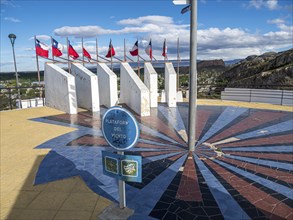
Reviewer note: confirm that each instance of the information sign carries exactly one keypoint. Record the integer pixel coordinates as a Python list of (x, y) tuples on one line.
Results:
[(120, 128), (123, 167)]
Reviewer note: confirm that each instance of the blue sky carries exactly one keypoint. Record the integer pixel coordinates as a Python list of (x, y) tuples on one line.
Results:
[(227, 29)]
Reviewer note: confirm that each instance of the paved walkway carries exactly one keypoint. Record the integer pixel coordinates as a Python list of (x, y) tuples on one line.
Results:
[(242, 167)]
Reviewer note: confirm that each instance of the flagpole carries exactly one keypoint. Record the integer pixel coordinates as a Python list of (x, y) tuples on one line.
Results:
[(178, 62), (68, 55), (151, 49), (82, 51), (138, 67), (97, 52), (165, 50), (124, 51), (38, 68), (52, 49), (111, 54)]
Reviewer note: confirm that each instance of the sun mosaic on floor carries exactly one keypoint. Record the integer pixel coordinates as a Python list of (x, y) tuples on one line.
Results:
[(241, 167)]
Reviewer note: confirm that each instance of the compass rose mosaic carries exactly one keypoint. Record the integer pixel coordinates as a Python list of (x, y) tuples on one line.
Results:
[(241, 167)]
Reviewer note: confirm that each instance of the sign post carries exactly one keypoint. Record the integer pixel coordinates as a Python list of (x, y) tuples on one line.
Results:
[(122, 197), (121, 131)]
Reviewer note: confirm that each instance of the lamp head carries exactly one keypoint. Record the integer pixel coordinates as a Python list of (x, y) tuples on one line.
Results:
[(12, 38)]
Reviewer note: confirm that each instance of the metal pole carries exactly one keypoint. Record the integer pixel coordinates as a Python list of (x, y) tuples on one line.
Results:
[(16, 76), (192, 77), (122, 197), (178, 62), (38, 68), (82, 51)]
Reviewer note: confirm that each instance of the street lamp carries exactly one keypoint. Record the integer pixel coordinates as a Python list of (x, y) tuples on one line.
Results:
[(12, 38)]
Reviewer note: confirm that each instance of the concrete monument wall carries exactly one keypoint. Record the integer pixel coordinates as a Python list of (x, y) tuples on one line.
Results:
[(60, 89), (107, 85), (151, 82), (170, 85), (133, 92), (86, 84)]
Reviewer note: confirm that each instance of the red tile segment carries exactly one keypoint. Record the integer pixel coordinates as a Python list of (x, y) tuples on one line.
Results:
[(173, 158), (271, 140), (252, 121), (202, 118), (270, 206), (188, 188), (277, 174), (159, 125), (272, 156)]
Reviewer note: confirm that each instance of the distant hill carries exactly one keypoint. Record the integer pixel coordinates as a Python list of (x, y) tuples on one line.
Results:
[(267, 69)]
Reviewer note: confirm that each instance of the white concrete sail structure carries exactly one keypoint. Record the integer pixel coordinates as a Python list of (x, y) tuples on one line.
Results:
[(60, 89), (133, 92), (86, 84), (108, 89), (170, 84), (151, 82)]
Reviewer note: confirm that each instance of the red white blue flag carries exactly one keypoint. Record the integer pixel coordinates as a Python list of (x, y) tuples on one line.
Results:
[(164, 54), (71, 52), (111, 51), (134, 50), (149, 49), (86, 54), (41, 49), (56, 48)]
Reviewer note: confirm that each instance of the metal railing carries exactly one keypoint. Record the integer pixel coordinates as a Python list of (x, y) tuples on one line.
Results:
[(9, 98)]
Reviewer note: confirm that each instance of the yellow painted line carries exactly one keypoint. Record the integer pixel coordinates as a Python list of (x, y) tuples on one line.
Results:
[(254, 105)]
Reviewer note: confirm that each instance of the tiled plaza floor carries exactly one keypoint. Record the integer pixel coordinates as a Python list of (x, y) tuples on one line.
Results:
[(241, 168)]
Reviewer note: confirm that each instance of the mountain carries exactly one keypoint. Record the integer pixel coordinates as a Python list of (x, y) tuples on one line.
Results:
[(270, 69)]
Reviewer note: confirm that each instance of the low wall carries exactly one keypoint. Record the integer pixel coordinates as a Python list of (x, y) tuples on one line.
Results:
[(133, 92), (60, 89), (170, 85), (151, 82), (107, 85), (86, 84), (278, 97)]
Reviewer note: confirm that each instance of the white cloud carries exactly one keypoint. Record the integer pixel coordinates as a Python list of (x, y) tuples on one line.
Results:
[(270, 4), (12, 19), (162, 20), (41, 37), (226, 43)]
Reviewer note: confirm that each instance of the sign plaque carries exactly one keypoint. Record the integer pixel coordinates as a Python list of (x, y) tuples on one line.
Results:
[(120, 128)]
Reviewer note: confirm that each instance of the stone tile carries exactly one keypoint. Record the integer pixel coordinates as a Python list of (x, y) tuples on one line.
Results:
[(10, 213), (37, 214), (18, 199), (80, 201), (65, 185), (102, 203), (49, 201), (73, 215)]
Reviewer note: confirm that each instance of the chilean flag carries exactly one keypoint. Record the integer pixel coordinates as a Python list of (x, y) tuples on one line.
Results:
[(134, 50), (56, 48), (164, 54), (149, 49), (41, 49), (72, 52), (111, 51), (86, 54)]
